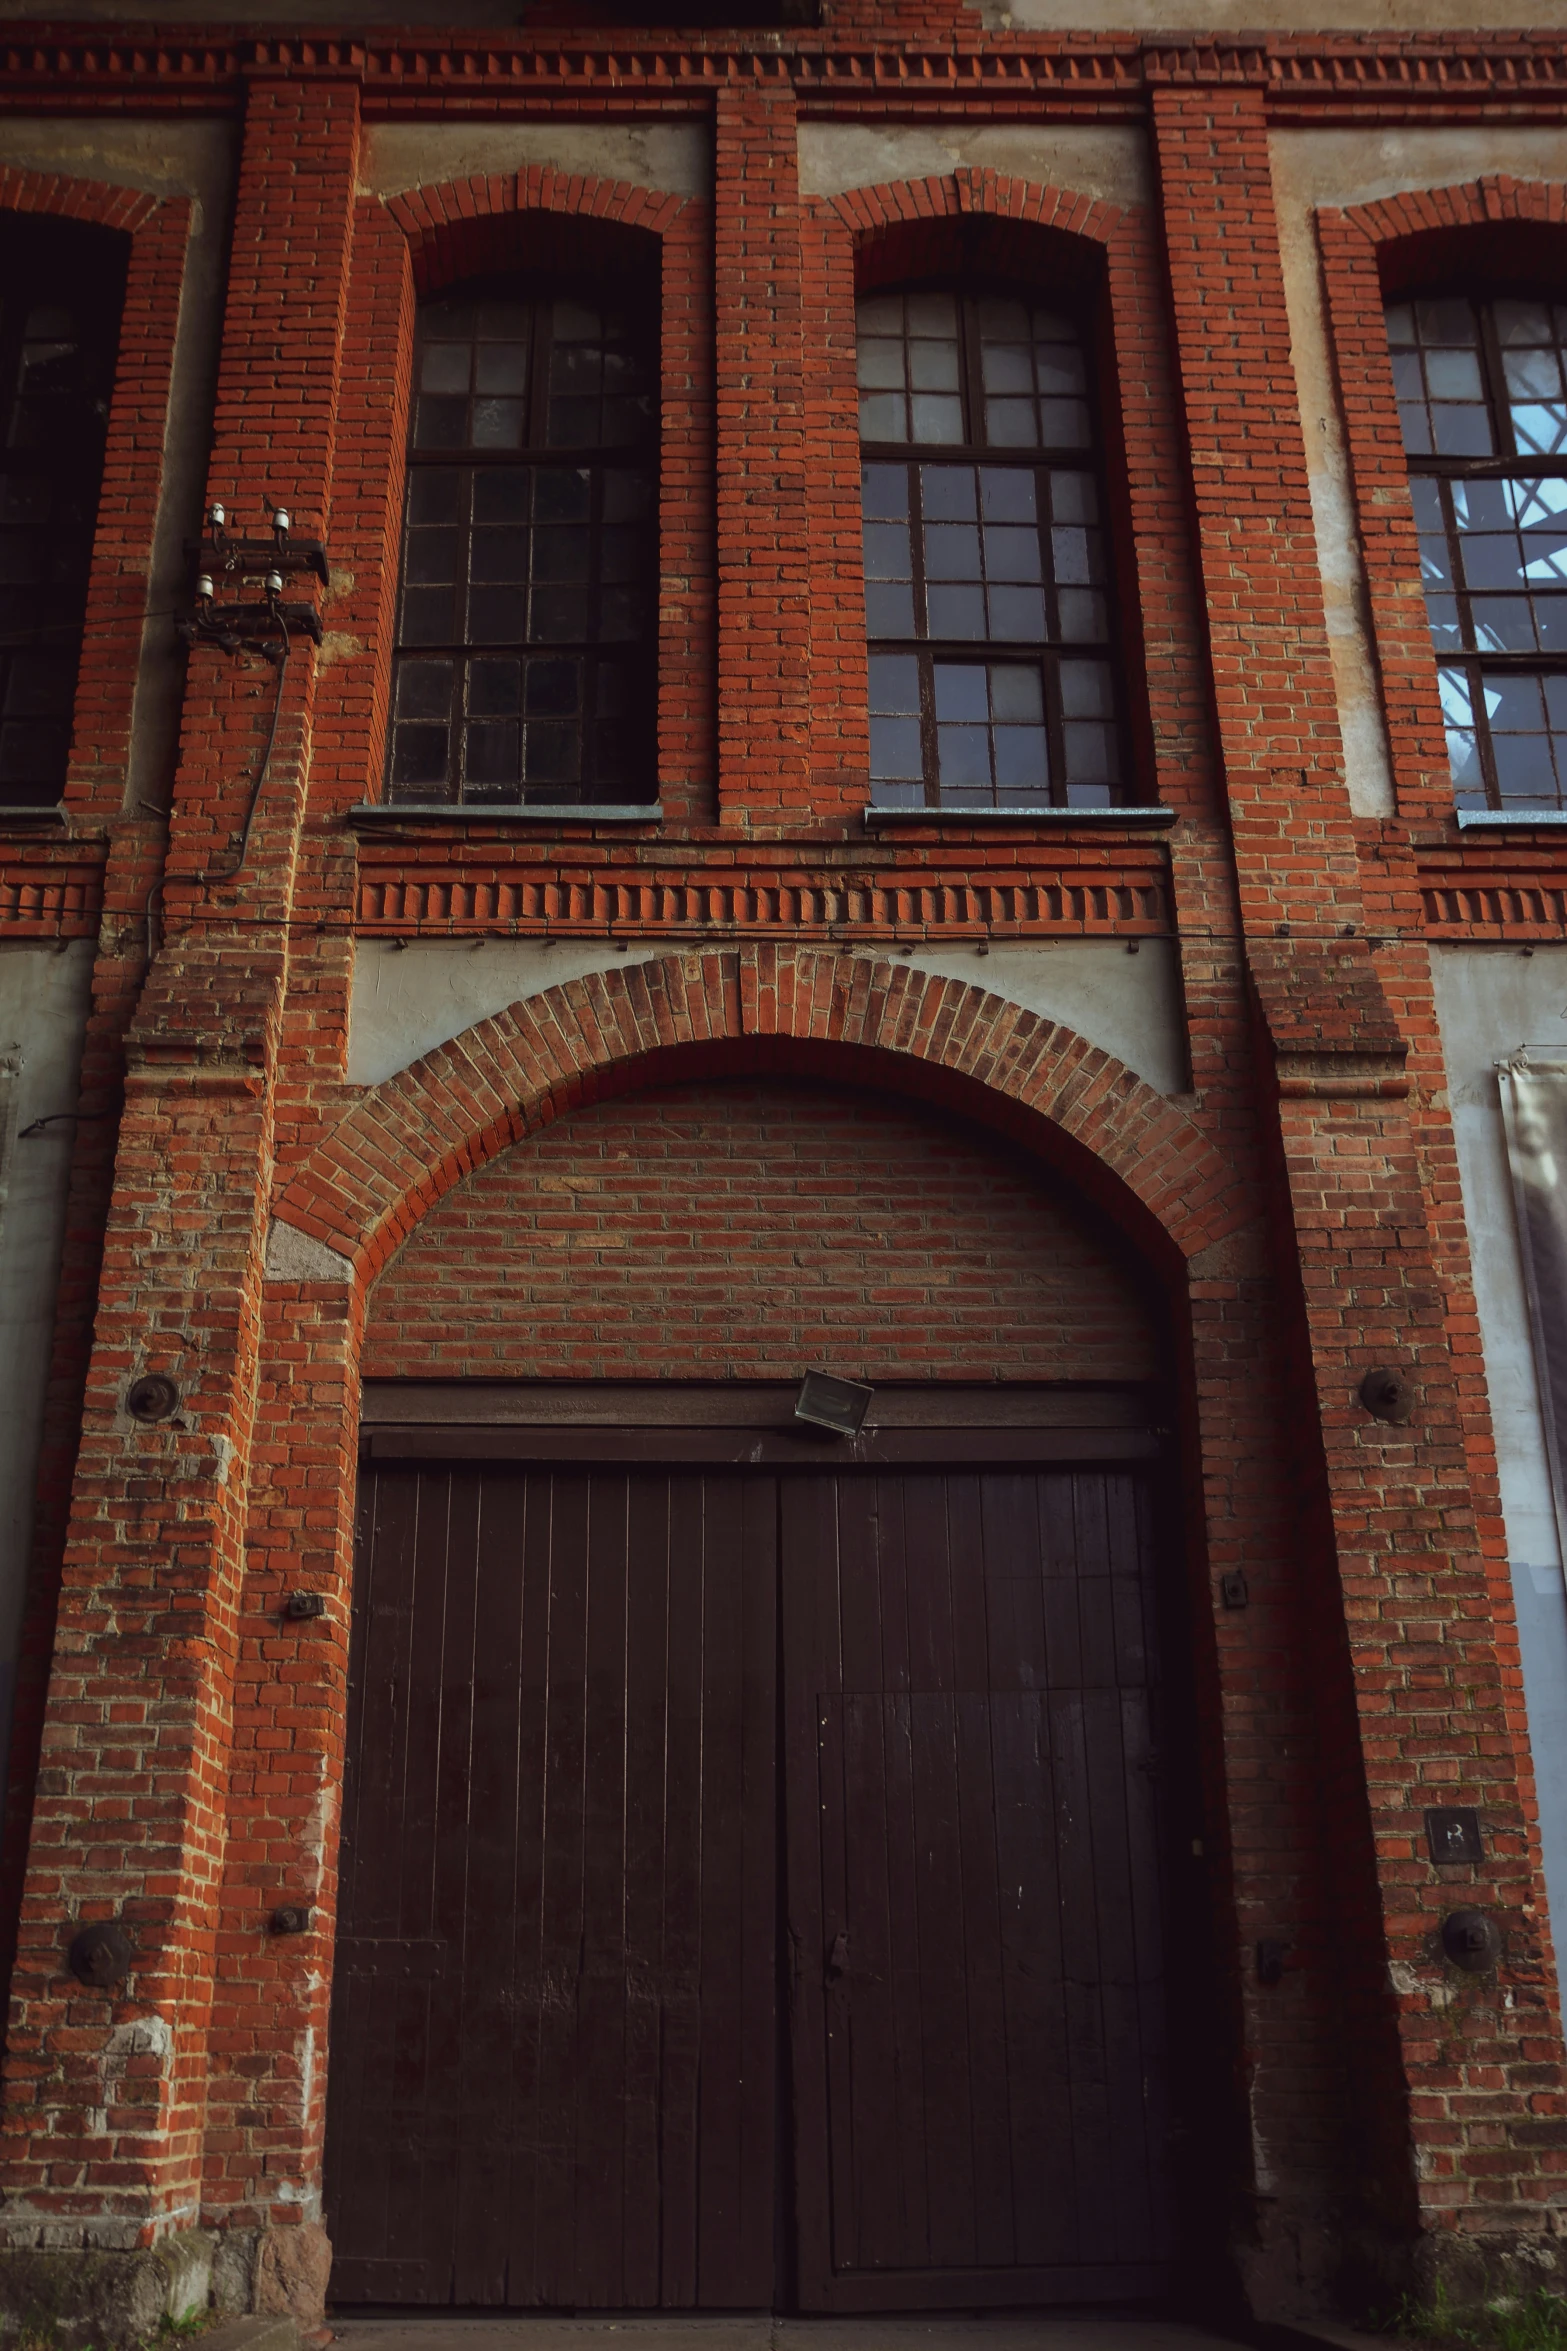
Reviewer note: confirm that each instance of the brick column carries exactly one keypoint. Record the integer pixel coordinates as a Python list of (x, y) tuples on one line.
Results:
[(764, 686), (105, 2090), (1459, 2076)]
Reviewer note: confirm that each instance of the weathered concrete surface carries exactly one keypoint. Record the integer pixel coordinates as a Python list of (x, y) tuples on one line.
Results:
[(674, 157), (1090, 158), (82, 2299), (999, 2333)]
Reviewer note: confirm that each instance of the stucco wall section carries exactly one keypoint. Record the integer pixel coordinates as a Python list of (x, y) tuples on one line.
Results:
[(1489, 1001), (408, 1000), (43, 1015), (673, 157), (1111, 164)]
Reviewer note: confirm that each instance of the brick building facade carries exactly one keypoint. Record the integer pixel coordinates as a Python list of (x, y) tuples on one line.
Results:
[(1155, 1097)]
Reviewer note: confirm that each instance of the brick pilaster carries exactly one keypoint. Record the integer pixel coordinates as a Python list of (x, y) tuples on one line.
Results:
[(764, 689), (106, 2092), (1460, 2090)]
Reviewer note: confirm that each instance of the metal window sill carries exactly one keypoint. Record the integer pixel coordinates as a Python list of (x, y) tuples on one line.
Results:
[(372, 814), (1513, 820), (876, 817), (32, 820)]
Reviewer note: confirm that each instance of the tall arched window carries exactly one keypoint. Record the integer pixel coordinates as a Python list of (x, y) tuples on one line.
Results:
[(987, 589), (1483, 402), (61, 292), (525, 631)]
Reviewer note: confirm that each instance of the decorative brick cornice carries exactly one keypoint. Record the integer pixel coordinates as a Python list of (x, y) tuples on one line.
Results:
[(47, 898), (559, 897), (1308, 78), (1502, 890), (1415, 75)]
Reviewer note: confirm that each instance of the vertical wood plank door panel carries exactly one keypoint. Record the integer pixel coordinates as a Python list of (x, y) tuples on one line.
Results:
[(971, 1705), (554, 2037)]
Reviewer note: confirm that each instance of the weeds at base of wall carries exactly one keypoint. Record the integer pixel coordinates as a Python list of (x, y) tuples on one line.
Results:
[(40, 2336), (1532, 2322)]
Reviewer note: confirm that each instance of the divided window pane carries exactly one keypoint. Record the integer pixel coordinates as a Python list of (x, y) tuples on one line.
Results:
[(1001, 550), (60, 297), (529, 579), (1482, 389)]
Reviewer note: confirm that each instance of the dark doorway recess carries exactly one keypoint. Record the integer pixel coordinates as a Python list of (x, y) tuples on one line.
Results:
[(755, 1882)]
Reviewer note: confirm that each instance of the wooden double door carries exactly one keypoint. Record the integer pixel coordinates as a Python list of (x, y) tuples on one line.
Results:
[(751, 1890)]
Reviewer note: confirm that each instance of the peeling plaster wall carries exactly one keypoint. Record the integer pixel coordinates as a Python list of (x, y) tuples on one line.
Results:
[(44, 992), (1111, 164), (1489, 1001), (673, 157), (408, 1000)]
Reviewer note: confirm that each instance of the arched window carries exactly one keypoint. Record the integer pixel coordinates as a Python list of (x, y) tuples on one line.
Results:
[(1483, 403), (987, 589), (525, 630), (61, 292)]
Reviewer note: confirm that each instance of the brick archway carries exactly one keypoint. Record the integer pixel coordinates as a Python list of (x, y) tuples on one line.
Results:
[(762, 1007)]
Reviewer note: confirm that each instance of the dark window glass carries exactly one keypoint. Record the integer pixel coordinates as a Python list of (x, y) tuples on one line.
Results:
[(529, 582), (61, 292), (1482, 397), (987, 594)]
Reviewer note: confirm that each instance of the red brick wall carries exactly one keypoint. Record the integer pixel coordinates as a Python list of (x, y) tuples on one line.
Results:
[(748, 1230), (1302, 1194)]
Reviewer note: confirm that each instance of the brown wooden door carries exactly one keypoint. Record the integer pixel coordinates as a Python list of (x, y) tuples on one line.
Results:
[(556, 2037), (974, 1889), (554, 2024)]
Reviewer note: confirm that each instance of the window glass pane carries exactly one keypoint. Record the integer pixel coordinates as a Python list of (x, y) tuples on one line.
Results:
[(1463, 745), (991, 743), (510, 553), (1435, 348), (1001, 557), (909, 368)]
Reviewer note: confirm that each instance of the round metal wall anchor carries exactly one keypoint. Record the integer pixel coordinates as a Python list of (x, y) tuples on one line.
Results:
[(1470, 1940), (290, 1918), (152, 1398), (101, 1956), (1387, 1395)]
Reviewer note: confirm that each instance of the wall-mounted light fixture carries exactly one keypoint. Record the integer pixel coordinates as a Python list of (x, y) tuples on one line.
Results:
[(827, 1402)]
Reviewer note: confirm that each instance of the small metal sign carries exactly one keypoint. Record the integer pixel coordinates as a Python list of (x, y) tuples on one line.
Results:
[(830, 1403), (1454, 1835)]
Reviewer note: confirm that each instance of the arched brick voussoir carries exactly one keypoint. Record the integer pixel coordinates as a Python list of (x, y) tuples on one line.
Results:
[(465, 228), (974, 191), (1466, 204), (94, 203), (370, 1180)]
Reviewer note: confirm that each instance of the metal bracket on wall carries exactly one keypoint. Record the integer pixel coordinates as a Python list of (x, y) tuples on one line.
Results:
[(227, 564)]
